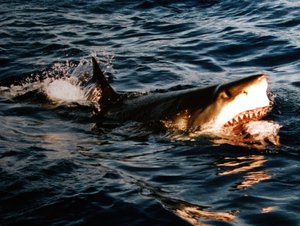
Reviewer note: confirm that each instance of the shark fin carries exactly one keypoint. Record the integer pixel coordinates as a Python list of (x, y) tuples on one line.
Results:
[(108, 93)]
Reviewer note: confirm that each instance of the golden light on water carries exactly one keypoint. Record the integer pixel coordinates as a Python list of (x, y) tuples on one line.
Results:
[(245, 164), (252, 178), (193, 214), (267, 209), (241, 164)]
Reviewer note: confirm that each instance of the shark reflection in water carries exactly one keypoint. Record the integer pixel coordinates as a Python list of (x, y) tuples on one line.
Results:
[(193, 213), (250, 165)]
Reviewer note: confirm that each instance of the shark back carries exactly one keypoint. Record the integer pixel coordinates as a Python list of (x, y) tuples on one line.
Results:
[(174, 106)]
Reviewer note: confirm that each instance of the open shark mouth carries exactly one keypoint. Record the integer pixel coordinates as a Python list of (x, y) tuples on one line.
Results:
[(249, 129), (247, 116)]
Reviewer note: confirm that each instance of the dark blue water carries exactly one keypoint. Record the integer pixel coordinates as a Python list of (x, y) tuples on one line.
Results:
[(57, 169)]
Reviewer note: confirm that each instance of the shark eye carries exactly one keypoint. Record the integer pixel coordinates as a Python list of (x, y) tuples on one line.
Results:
[(225, 94), (228, 94)]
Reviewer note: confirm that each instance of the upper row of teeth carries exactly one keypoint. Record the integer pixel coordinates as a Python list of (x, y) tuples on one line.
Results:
[(242, 117), (245, 116)]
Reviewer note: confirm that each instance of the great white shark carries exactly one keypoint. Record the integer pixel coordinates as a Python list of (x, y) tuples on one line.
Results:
[(224, 108)]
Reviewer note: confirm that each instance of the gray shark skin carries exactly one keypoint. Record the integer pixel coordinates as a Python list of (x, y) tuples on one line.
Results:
[(216, 107)]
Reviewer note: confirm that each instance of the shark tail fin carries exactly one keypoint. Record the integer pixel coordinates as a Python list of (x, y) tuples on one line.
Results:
[(108, 93)]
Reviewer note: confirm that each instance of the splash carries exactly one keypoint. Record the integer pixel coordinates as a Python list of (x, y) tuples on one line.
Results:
[(264, 131), (253, 134), (38, 83), (62, 83), (64, 90)]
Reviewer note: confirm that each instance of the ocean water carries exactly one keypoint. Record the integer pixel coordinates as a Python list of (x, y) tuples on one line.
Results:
[(56, 168)]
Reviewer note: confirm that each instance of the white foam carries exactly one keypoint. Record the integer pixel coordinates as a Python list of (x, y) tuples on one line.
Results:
[(63, 90), (264, 131)]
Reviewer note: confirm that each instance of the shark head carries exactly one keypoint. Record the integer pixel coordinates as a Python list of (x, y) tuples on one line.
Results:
[(232, 105)]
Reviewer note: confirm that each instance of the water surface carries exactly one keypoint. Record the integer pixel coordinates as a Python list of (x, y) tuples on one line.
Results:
[(57, 169)]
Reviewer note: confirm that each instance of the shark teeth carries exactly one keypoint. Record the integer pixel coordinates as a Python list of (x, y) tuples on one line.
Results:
[(247, 116)]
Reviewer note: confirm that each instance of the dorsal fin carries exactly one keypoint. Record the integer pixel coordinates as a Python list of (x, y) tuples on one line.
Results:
[(108, 93)]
